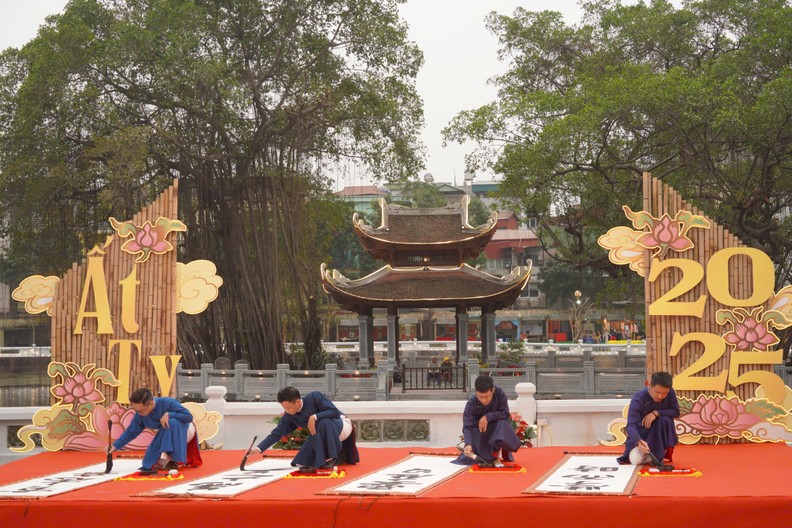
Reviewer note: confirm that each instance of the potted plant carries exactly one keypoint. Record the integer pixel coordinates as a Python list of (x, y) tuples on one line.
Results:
[(525, 432)]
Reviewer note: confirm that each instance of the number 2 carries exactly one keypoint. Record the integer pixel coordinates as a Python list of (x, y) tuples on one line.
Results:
[(692, 273)]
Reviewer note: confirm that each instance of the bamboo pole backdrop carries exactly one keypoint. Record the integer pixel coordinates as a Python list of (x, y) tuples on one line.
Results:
[(155, 306), (660, 199)]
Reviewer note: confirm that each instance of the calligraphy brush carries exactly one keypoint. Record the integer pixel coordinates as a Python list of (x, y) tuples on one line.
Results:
[(477, 459), (658, 464), (244, 458), (109, 466)]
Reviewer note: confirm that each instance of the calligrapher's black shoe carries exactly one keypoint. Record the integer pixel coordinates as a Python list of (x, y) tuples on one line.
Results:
[(330, 464)]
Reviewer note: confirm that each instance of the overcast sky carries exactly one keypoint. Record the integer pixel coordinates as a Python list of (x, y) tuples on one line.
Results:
[(459, 56)]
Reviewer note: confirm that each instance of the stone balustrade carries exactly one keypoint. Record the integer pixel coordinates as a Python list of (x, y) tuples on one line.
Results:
[(244, 384), (557, 370)]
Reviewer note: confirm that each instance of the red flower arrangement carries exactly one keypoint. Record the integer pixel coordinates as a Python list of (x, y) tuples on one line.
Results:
[(524, 431), (293, 440)]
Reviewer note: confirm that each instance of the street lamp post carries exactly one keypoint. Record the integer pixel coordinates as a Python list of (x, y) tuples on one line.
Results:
[(580, 307)]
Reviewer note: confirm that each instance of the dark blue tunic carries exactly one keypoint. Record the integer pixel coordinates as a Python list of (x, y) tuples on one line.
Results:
[(662, 434), (172, 441), (325, 444), (499, 433)]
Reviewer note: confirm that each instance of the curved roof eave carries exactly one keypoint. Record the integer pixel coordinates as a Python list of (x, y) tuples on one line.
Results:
[(336, 282)]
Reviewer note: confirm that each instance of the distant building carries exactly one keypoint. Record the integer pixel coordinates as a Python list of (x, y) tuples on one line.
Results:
[(484, 191), (511, 245), (451, 193), (364, 197)]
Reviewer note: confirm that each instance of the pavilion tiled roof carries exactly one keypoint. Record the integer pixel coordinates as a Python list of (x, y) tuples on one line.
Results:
[(426, 226), (425, 249), (426, 287)]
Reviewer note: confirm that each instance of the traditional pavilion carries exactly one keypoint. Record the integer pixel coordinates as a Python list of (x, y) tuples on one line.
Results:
[(425, 250)]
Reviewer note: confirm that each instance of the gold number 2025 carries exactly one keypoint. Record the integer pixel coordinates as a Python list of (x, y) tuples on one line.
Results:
[(717, 281)]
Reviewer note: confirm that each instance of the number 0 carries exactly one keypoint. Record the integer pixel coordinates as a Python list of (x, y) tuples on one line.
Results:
[(763, 276)]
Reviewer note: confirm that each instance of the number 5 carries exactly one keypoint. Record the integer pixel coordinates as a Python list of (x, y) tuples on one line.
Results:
[(774, 387)]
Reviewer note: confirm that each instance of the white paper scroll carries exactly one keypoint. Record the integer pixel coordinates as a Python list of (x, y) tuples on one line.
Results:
[(588, 474), (411, 476), (233, 482), (68, 480)]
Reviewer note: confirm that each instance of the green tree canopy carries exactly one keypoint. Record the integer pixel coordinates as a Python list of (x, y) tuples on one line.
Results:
[(478, 214), (416, 193), (561, 279), (698, 95), (248, 103)]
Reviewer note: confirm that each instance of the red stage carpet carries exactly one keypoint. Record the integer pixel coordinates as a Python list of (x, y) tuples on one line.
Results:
[(741, 485)]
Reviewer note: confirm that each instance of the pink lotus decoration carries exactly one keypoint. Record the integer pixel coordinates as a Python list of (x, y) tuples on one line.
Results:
[(148, 238), (749, 329), (751, 335), (719, 416), (666, 234), (79, 386), (96, 440), (78, 390)]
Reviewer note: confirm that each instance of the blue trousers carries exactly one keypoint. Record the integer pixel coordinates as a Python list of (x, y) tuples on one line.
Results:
[(499, 435), (321, 446), (660, 436), (172, 441)]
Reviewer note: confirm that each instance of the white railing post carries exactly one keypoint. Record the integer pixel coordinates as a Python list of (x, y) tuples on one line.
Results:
[(215, 401), (526, 403)]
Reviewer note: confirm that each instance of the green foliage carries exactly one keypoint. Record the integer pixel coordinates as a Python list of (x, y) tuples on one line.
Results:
[(293, 440), (524, 431), (247, 103), (296, 354), (512, 353), (334, 358), (345, 251), (421, 194), (478, 357), (478, 214), (561, 279), (698, 95)]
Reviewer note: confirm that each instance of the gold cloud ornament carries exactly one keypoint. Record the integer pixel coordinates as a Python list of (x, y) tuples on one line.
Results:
[(197, 284), (782, 304), (206, 422), (38, 293), (623, 248)]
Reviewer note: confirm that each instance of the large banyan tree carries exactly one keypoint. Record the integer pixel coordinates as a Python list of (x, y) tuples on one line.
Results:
[(249, 103)]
